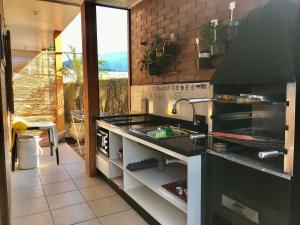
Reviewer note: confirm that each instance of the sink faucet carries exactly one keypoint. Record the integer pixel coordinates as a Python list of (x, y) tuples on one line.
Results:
[(192, 101)]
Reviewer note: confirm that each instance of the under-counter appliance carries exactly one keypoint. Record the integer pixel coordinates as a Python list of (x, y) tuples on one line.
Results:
[(254, 113), (125, 120), (102, 141)]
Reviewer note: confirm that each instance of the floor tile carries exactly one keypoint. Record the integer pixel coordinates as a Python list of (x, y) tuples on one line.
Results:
[(75, 167), (45, 170), (90, 222), (61, 187), (46, 163), (107, 206), (70, 158), (72, 214), (54, 178), (77, 174), (65, 199), (98, 192), (24, 179), (55, 186), (20, 195), (88, 182), (29, 207), (36, 219), (24, 173), (129, 217)]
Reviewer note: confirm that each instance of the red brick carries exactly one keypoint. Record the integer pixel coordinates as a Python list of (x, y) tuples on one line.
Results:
[(184, 18), (164, 23)]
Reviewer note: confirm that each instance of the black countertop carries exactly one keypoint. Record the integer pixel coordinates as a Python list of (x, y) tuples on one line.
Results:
[(182, 145)]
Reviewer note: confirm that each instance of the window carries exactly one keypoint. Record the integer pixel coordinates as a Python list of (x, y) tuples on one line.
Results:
[(112, 35)]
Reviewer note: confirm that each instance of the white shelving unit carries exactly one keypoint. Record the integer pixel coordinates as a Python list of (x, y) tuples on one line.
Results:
[(145, 186), (154, 179), (160, 209), (118, 181), (118, 162), (115, 144)]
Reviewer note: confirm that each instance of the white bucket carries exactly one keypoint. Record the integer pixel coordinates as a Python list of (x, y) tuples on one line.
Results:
[(27, 152)]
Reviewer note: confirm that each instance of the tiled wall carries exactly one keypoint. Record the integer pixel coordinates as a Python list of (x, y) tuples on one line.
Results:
[(162, 97), (184, 18)]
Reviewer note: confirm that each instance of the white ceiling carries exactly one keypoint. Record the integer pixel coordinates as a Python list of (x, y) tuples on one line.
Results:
[(35, 32), (118, 3)]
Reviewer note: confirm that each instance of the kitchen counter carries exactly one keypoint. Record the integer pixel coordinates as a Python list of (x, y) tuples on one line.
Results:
[(182, 145), (183, 163)]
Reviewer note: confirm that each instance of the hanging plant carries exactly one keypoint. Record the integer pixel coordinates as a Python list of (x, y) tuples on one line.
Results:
[(207, 40), (153, 59), (207, 36)]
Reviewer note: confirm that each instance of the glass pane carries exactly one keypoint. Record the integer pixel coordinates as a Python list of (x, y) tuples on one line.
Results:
[(112, 35)]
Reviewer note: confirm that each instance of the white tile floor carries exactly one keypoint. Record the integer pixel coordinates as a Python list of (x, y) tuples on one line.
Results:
[(63, 195)]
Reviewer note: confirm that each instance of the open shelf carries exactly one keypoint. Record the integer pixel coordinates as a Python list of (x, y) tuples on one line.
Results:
[(118, 162), (118, 181), (115, 144), (164, 212), (154, 179)]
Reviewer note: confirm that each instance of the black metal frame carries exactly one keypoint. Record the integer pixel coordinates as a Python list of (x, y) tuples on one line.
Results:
[(129, 43)]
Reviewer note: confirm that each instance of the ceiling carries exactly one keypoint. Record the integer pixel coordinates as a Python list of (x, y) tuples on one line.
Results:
[(118, 3), (32, 22)]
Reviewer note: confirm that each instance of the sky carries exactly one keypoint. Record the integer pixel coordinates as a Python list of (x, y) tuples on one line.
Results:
[(111, 31)]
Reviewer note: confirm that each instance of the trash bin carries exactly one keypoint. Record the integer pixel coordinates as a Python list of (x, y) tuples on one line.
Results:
[(27, 152)]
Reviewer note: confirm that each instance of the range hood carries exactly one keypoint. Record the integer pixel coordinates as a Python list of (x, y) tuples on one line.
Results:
[(267, 47)]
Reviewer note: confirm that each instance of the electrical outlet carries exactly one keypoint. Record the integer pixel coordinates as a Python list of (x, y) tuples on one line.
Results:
[(172, 36), (215, 22), (232, 5)]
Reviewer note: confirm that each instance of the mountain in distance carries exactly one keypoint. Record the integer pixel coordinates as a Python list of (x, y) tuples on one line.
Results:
[(115, 61)]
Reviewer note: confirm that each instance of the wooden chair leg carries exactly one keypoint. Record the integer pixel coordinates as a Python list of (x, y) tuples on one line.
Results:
[(14, 154), (50, 142), (57, 155), (56, 147)]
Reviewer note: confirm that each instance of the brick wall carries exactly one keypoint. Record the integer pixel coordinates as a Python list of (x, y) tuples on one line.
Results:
[(184, 18)]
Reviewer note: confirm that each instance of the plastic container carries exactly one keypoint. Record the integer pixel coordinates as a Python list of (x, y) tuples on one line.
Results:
[(27, 152)]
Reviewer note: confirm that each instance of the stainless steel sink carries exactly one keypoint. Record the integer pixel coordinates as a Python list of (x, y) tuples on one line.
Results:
[(159, 132)]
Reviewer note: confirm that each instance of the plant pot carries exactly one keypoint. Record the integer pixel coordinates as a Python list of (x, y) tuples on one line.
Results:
[(154, 69), (170, 49), (217, 61), (205, 61)]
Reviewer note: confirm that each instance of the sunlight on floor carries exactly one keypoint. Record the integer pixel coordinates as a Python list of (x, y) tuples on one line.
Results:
[(64, 195)]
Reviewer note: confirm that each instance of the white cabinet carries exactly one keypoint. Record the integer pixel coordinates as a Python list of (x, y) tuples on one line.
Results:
[(103, 165), (145, 186)]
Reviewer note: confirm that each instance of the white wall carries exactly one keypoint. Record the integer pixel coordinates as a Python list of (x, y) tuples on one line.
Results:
[(162, 97)]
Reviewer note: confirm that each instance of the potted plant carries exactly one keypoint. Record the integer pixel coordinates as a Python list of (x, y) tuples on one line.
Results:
[(153, 59), (170, 49), (221, 41), (207, 40)]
